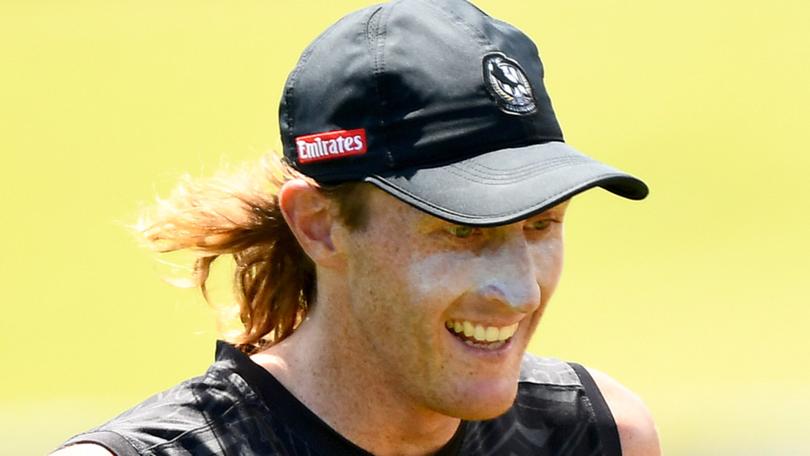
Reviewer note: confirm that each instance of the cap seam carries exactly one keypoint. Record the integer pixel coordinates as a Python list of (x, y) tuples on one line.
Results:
[(474, 152), (380, 36), (517, 177), (372, 26), (552, 198), (529, 41), (478, 35), (512, 179), (511, 171), (290, 89)]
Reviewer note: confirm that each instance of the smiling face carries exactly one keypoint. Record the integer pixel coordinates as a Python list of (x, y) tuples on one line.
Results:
[(444, 312)]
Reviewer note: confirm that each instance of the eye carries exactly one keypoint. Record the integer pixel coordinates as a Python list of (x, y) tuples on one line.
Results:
[(539, 225), (461, 231)]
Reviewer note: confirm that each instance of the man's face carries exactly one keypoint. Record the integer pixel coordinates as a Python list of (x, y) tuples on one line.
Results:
[(445, 311)]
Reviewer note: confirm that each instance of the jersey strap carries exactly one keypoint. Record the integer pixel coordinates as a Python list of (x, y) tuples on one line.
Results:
[(605, 423)]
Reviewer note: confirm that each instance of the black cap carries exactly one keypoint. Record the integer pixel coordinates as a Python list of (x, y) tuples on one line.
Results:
[(440, 105)]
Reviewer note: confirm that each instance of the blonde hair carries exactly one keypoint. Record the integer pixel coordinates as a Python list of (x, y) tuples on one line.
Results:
[(238, 214)]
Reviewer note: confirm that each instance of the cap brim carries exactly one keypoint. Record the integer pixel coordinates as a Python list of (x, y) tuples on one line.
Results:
[(506, 185)]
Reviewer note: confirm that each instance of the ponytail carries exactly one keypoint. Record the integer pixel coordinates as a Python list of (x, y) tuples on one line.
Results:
[(239, 215)]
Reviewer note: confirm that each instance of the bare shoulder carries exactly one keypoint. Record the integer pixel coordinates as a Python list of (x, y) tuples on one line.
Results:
[(83, 449), (637, 431)]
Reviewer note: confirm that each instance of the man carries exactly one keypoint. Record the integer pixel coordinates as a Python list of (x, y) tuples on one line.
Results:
[(391, 281)]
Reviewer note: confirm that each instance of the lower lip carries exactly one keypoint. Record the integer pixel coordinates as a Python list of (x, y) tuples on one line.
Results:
[(484, 351)]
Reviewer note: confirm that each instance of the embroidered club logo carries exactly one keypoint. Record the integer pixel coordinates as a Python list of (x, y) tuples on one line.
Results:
[(508, 84)]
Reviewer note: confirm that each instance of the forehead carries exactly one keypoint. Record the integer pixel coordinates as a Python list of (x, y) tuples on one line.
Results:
[(381, 204)]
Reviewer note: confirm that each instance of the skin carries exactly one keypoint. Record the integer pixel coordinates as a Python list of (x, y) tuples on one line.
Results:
[(638, 434), (374, 347), (385, 292)]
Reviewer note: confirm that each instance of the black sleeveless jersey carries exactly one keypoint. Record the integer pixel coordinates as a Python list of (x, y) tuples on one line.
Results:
[(238, 408)]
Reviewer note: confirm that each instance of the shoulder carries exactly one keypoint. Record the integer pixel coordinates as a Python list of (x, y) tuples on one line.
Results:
[(186, 415), (637, 431), (620, 417), (547, 371)]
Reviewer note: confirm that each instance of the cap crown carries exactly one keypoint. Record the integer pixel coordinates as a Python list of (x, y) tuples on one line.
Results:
[(426, 82)]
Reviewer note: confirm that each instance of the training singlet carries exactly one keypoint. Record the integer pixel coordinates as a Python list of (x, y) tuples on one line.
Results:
[(238, 408)]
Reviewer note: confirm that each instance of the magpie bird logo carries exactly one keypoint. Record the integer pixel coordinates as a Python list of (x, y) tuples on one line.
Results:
[(508, 84)]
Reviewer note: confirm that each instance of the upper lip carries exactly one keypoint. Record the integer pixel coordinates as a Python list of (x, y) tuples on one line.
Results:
[(486, 322)]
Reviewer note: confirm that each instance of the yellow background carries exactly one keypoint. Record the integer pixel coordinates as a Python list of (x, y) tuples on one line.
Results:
[(696, 298)]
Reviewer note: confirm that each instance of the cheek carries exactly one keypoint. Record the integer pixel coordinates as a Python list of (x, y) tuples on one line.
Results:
[(445, 274), (378, 301), (548, 261)]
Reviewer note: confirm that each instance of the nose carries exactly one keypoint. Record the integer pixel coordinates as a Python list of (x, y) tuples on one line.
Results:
[(511, 278)]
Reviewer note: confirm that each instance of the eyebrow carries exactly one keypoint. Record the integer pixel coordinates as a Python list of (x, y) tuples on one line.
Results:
[(427, 221)]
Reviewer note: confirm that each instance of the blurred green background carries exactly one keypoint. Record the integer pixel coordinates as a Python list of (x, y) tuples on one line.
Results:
[(696, 298)]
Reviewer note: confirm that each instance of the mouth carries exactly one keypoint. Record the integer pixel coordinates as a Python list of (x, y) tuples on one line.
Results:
[(481, 336)]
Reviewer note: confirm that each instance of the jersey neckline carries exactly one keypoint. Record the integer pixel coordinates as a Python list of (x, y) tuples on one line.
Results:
[(278, 400)]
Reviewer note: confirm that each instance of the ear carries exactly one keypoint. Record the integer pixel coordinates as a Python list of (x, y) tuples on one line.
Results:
[(307, 212)]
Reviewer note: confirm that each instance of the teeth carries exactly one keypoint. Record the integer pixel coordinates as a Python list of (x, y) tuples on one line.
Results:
[(469, 329), (492, 333), (507, 332), (481, 333)]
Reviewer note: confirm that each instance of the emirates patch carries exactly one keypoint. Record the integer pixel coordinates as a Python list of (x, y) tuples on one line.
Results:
[(331, 145)]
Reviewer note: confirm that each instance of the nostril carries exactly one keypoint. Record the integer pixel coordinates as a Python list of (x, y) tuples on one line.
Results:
[(520, 296), (493, 292)]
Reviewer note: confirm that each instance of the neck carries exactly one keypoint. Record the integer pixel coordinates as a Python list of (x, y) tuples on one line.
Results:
[(333, 375)]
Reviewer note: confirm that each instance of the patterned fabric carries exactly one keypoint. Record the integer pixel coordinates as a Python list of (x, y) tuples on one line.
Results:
[(552, 415), (238, 408)]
